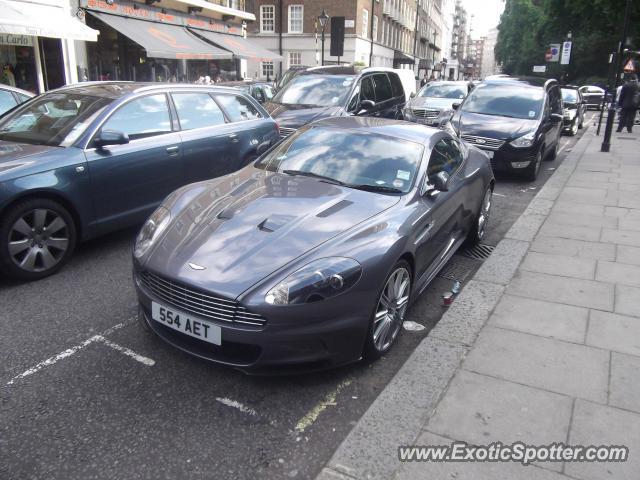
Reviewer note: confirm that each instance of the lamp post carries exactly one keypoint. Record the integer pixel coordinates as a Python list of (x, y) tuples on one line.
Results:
[(322, 18)]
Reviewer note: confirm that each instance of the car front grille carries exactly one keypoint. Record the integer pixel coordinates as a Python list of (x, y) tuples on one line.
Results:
[(285, 132), (197, 302), (425, 112), (483, 142)]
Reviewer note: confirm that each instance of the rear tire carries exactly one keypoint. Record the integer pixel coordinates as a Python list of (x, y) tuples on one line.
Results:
[(37, 238)]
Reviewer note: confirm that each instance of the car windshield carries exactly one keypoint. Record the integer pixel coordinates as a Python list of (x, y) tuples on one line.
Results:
[(443, 91), (356, 159), (55, 119), (569, 95), (316, 90), (504, 100)]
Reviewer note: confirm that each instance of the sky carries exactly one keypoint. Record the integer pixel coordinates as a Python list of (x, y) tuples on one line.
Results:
[(486, 15)]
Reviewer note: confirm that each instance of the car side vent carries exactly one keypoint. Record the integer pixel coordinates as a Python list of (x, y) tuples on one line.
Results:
[(274, 222), (243, 187), (334, 208), (226, 213)]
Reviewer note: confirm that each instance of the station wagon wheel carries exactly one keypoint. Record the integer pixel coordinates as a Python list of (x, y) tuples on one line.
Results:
[(38, 237), (390, 311)]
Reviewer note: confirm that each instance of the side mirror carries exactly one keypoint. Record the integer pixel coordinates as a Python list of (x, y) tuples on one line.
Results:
[(441, 181), (110, 137), (556, 117), (456, 105), (367, 105)]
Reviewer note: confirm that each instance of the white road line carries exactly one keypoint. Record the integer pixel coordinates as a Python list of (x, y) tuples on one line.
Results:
[(308, 420), (127, 351), (69, 351), (235, 404), (499, 194)]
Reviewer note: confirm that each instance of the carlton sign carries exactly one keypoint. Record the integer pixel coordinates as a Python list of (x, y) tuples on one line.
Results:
[(16, 40)]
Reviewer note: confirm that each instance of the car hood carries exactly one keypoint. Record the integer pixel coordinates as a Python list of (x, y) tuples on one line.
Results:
[(295, 116), (490, 126), (433, 102), (15, 157), (247, 225)]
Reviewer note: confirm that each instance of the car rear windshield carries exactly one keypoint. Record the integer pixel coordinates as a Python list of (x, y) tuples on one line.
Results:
[(55, 119), (316, 90), (348, 156), (503, 100), (569, 95), (443, 91)]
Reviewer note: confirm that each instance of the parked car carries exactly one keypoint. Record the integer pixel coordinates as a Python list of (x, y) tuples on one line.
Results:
[(297, 261), (435, 100), (314, 94), (574, 109), (516, 121), (88, 159), (593, 96), (261, 91), (12, 96)]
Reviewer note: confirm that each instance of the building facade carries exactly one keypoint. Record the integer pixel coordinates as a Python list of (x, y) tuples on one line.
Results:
[(489, 65), (459, 35)]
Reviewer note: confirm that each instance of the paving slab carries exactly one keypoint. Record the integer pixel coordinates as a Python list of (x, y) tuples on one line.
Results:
[(575, 232), (582, 219), (621, 237), (570, 291), (574, 248), (628, 300), (614, 272), (594, 424), (546, 319), (563, 265), (624, 388), (526, 227), (615, 332), (628, 255), (546, 363)]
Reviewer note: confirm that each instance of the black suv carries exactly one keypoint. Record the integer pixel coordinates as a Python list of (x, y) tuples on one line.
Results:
[(516, 121), (336, 91)]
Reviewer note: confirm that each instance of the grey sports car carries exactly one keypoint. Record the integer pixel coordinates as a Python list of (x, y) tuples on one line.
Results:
[(309, 257)]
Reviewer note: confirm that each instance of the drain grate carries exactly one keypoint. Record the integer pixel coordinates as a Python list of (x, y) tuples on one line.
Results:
[(458, 268), (478, 252)]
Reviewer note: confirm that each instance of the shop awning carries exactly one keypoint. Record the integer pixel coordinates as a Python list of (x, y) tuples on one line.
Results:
[(161, 40), (399, 57), (239, 46), (43, 19)]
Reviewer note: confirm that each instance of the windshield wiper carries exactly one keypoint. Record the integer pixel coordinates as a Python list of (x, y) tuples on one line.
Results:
[(314, 175), (376, 188)]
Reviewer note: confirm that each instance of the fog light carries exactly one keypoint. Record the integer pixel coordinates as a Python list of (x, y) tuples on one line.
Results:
[(520, 164)]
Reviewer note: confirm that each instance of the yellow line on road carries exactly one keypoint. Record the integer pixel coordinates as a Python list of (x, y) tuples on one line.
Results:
[(330, 400)]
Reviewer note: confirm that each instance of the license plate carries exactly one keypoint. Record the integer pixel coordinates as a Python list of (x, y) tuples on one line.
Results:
[(186, 324), (489, 154)]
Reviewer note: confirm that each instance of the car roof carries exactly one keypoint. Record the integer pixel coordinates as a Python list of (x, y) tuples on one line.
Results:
[(525, 81), (16, 90), (331, 70), (114, 90), (400, 129), (450, 82)]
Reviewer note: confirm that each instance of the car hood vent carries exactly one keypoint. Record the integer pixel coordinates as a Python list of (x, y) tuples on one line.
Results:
[(243, 187), (274, 222), (334, 208)]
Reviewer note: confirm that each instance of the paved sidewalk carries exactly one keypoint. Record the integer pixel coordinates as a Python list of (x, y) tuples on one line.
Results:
[(542, 346)]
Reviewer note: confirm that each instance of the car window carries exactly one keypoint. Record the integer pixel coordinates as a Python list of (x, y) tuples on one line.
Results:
[(238, 108), (446, 156), (143, 117), (197, 110), (258, 93), (367, 90), (396, 85), (6, 101), (22, 97), (316, 90), (556, 100), (507, 100), (269, 92), (383, 87)]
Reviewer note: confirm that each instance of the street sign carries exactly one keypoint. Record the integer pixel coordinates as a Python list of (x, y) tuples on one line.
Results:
[(630, 67), (554, 51), (566, 53), (539, 68)]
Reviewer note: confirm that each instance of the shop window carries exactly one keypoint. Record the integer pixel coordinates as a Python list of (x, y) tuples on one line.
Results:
[(196, 110), (238, 108), (295, 58), (142, 117), (267, 18), (296, 18), (267, 69)]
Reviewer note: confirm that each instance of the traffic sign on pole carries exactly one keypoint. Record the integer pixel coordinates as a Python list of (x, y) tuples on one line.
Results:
[(554, 51), (566, 53), (630, 67)]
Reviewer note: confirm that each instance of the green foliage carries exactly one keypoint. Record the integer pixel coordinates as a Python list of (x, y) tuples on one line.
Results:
[(527, 27)]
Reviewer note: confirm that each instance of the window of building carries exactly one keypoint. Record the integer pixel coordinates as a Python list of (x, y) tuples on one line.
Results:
[(374, 30), (196, 110), (238, 108), (296, 13), (365, 23), (267, 18), (267, 69), (295, 58)]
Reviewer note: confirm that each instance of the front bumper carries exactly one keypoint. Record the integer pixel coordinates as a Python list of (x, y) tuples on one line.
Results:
[(507, 158), (306, 344)]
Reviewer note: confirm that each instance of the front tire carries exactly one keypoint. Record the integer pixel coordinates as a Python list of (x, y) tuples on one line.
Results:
[(532, 171), (479, 227), (37, 237), (390, 311)]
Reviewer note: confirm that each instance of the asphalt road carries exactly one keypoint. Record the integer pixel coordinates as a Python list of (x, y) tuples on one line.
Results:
[(86, 393)]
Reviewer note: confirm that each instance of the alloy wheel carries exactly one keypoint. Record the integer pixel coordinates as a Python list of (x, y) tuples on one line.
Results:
[(38, 240), (391, 309), (485, 212)]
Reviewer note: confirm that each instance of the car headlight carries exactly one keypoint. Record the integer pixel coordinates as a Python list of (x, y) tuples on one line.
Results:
[(151, 230), (318, 280), (406, 111), (570, 114), (525, 140)]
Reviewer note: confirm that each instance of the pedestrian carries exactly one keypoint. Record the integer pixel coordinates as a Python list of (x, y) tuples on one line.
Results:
[(423, 82), (628, 101)]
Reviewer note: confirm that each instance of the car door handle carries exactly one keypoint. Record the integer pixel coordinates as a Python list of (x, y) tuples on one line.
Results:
[(173, 150), (233, 137)]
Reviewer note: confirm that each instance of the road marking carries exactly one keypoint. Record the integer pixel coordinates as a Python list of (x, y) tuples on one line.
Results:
[(127, 351), (235, 404), (312, 416), (69, 351), (499, 194)]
